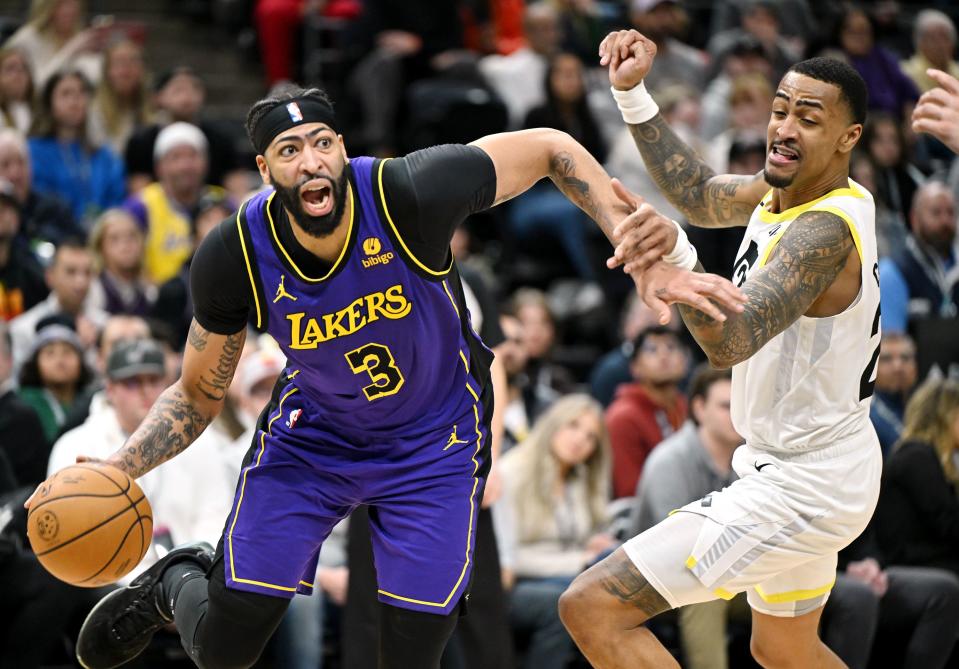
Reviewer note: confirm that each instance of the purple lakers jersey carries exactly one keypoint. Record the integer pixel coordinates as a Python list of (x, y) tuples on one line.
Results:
[(378, 343)]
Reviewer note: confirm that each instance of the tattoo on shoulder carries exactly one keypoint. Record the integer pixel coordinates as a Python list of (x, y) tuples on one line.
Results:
[(622, 580), (805, 262), (215, 380), (197, 337)]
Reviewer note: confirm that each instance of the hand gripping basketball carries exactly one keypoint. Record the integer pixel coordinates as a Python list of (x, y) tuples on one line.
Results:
[(89, 524)]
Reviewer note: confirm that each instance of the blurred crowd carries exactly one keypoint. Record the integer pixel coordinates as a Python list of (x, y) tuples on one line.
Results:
[(112, 172)]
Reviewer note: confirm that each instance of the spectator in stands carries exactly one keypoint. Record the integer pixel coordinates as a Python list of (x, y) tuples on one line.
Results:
[(543, 211), (189, 495), (935, 40), (180, 94), (117, 329), (21, 277), (744, 57), (551, 519), (174, 304), (895, 378), (759, 19), (517, 77), (539, 334), (88, 177), (748, 111), (612, 370), (44, 217), (122, 102), (55, 37), (650, 408), (691, 463), (918, 514), (917, 608), (16, 91), (53, 376), (664, 21), (68, 276), (896, 177), (584, 24), (165, 209), (918, 280), (21, 434), (117, 241), (890, 90), (524, 400)]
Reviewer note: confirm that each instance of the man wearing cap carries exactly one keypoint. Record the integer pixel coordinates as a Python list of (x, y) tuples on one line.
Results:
[(386, 399), (180, 94), (165, 208), (188, 498)]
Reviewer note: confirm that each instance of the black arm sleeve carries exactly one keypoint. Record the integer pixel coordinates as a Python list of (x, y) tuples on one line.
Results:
[(222, 295), (430, 192)]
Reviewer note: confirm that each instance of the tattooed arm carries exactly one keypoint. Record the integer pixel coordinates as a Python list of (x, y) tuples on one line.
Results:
[(184, 409), (804, 274), (523, 158)]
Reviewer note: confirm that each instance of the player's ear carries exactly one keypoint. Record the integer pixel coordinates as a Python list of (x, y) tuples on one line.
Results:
[(264, 170), (849, 138), (343, 148)]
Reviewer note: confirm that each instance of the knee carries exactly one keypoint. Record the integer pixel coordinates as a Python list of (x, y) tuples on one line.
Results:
[(234, 656), (577, 604), (767, 655), (947, 595)]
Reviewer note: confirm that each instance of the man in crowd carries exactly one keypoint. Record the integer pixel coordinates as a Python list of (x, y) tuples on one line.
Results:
[(21, 277), (895, 377)]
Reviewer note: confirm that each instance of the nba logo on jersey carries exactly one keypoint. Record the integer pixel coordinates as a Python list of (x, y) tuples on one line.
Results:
[(295, 114), (294, 416)]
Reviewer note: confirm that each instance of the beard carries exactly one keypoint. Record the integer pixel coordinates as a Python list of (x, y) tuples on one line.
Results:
[(315, 226), (777, 182)]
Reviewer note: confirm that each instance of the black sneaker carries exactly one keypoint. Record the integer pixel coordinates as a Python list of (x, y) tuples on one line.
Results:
[(122, 624)]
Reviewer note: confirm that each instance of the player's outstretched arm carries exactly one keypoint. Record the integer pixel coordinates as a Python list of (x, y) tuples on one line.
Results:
[(184, 409), (705, 198), (801, 267)]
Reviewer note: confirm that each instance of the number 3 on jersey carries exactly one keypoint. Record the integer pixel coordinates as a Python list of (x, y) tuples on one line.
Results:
[(377, 361)]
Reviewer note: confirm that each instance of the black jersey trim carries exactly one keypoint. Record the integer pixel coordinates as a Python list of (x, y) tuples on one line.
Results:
[(287, 260), (411, 260), (252, 270)]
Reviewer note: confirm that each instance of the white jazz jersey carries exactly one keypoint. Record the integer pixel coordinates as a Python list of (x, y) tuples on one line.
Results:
[(810, 386)]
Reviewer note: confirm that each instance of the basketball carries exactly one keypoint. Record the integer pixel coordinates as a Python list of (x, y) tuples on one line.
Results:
[(90, 524)]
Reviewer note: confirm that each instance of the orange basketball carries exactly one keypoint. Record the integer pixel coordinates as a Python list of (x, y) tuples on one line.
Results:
[(90, 524)]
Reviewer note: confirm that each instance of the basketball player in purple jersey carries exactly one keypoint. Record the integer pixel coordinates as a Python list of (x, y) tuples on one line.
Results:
[(386, 400)]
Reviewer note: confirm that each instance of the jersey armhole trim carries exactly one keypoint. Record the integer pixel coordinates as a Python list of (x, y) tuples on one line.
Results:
[(241, 230), (396, 232)]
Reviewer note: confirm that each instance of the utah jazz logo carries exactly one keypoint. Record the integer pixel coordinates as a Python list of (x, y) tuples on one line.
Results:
[(281, 291), (372, 248), (744, 263)]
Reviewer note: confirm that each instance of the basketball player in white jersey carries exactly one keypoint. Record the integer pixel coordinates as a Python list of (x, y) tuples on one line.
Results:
[(803, 354)]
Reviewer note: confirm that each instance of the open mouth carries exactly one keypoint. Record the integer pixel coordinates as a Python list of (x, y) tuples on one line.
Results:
[(782, 155), (317, 197)]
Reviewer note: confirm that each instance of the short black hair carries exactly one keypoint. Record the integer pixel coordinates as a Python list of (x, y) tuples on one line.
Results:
[(653, 331), (852, 88), (265, 105), (72, 242)]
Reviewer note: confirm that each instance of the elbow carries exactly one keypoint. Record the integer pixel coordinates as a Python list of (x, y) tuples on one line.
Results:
[(718, 360)]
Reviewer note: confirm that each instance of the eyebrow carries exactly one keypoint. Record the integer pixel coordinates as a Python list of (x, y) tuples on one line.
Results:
[(309, 135), (801, 102)]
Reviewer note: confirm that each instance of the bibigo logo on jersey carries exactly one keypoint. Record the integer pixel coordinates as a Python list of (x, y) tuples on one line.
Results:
[(372, 247)]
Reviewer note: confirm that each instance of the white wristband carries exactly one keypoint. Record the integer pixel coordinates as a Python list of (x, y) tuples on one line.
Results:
[(636, 105), (683, 254)]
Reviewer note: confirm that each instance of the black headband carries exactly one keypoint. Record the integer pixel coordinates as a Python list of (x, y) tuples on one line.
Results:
[(289, 114)]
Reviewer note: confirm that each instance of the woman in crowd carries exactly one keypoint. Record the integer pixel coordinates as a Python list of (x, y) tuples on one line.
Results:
[(89, 178), (896, 178), (551, 519), (543, 210), (53, 376), (117, 242), (55, 36), (918, 512), (122, 101), (16, 90)]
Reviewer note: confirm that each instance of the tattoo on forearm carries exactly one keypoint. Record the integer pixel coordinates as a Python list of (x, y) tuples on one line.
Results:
[(808, 258), (214, 382), (690, 184), (172, 424), (623, 581), (562, 171), (197, 336)]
